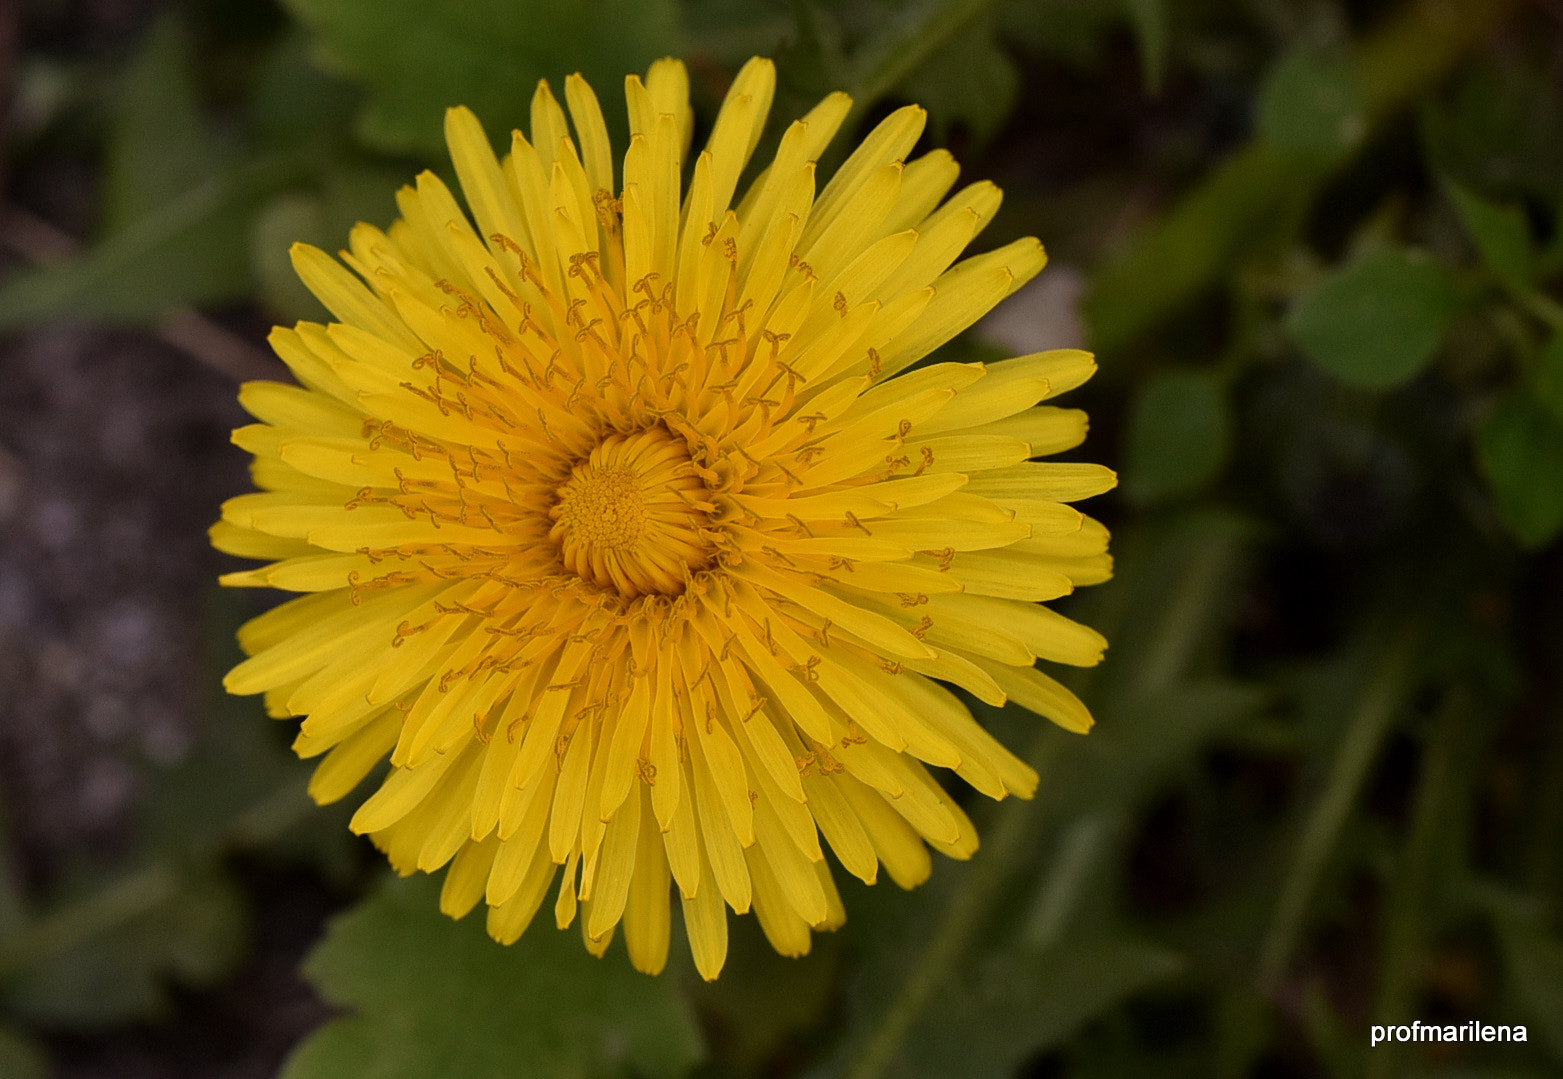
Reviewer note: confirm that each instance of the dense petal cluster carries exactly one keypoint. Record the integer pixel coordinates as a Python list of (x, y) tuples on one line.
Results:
[(629, 543)]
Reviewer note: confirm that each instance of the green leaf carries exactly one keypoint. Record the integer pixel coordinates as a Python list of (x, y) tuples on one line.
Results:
[(322, 217), (731, 31), (109, 957), (417, 57), (1501, 234), (970, 81), (294, 101), (1547, 379), (1257, 196), (1149, 19), (1482, 1073), (1018, 1003), (1533, 961), (1377, 321), (1179, 436), (240, 785), (1500, 128), (239, 769), (1075, 31), (190, 251), (21, 1057), (159, 148), (1153, 735), (178, 214), (1235, 208), (763, 1000), (1310, 105), (1520, 449), (291, 217), (437, 997)]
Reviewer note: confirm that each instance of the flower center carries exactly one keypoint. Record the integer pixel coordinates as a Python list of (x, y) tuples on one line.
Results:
[(630, 516)]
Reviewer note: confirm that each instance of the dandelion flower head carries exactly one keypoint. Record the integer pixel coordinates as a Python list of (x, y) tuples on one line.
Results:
[(630, 534)]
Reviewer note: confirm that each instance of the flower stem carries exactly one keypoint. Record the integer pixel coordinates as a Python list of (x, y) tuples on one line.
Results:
[(1544, 308), (1377, 706), (964, 916), (123, 901), (1182, 621), (1186, 252), (1446, 762)]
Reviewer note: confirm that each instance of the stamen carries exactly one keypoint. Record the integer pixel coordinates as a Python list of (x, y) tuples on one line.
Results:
[(612, 528)]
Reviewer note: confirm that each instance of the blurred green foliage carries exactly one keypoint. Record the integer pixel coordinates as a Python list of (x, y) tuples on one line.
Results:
[(1378, 320), (415, 56), (1322, 243), (437, 997)]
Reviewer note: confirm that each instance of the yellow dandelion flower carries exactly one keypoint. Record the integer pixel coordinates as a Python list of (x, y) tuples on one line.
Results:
[(627, 540)]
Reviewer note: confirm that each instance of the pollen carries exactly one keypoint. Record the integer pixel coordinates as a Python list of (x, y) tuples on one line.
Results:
[(630, 516)]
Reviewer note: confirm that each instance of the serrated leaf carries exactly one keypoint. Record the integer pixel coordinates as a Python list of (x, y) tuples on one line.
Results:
[(1500, 233), (1520, 449), (1179, 436), (437, 997), (1376, 321), (417, 57), (1310, 105)]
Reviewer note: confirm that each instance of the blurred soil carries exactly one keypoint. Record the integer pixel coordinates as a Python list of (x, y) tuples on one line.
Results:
[(114, 458)]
